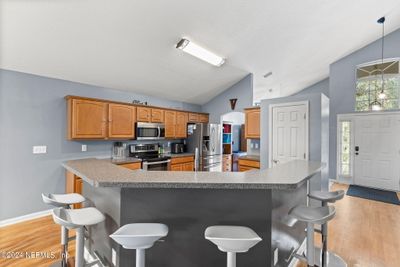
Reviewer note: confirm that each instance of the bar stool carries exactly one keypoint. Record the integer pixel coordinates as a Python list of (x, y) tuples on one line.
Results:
[(232, 240), (139, 236), (327, 258), (311, 216), (78, 219), (64, 201)]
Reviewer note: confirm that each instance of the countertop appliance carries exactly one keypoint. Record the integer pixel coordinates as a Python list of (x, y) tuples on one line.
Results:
[(151, 159), (150, 131), (177, 148), (204, 140)]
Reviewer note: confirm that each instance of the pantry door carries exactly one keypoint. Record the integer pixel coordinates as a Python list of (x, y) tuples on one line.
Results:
[(289, 132)]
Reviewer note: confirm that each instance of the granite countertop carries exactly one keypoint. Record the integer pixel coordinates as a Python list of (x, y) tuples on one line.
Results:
[(100, 173), (250, 157)]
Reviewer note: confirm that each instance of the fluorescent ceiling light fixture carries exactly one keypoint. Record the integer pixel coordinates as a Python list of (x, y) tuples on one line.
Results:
[(197, 51)]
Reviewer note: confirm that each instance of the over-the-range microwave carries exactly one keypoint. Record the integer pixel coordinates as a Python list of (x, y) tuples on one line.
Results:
[(150, 131)]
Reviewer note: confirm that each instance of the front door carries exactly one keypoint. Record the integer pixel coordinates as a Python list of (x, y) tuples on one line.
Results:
[(377, 151), (289, 133)]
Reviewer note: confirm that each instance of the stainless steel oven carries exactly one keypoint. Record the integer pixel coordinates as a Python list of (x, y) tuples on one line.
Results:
[(151, 159), (158, 165), (150, 131)]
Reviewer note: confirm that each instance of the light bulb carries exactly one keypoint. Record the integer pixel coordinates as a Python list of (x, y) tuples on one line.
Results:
[(382, 95)]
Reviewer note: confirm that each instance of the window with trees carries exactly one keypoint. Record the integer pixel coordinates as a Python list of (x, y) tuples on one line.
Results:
[(370, 94)]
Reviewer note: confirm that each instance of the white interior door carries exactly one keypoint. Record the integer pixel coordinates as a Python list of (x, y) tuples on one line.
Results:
[(289, 133), (377, 161)]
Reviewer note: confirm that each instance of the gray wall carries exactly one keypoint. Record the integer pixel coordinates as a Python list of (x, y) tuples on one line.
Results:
[(33, 112), (342, 83), (318, 131), (219, 105), (319, 87)]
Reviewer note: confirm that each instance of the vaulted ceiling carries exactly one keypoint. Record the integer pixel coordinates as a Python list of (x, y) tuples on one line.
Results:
[(129, 44)]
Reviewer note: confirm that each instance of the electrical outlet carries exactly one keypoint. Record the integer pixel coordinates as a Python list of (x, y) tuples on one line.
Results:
[(276, 256), (39, 150), (84, 148), (114, 257), (256, 145)]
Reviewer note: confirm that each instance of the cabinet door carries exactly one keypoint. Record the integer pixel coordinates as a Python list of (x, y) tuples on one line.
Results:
[(170, 122), (132, 166), (189, 166), (157, 115), (203, 118), (87, 119), (245, 168), (143, 114), (181, 125), (122, 120), (193, 117), (177, 167), (253, 124)]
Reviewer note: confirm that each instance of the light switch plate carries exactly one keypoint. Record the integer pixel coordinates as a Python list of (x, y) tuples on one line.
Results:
[(39, 149), (84, 148)]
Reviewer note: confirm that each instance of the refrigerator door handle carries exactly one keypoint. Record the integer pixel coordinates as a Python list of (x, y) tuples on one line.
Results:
[(196, 159)]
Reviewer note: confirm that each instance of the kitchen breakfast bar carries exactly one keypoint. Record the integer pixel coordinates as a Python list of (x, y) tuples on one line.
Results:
[(189, 202)]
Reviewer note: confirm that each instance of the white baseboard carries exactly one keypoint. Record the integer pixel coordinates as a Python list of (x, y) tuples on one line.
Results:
[(26, 217)]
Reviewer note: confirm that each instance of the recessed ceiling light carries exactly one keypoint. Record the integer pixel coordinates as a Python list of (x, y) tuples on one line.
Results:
[(195, 50)]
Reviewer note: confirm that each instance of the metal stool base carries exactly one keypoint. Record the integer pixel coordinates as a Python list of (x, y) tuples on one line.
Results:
[(333, 260)]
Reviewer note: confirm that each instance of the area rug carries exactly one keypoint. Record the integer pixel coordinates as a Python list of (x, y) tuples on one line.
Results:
[(373, 194)]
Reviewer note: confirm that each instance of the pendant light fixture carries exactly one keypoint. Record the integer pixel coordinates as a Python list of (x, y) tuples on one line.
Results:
[(382, 94)]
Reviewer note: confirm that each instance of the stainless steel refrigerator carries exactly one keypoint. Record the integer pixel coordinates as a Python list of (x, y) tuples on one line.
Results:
[(204, 140)]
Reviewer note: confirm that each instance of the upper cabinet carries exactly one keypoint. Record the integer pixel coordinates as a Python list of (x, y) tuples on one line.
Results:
[(157, 115), (90, 118), (144, 114), (121, 120), (252, 123), (87, 119), (147, 114), (181, 125)]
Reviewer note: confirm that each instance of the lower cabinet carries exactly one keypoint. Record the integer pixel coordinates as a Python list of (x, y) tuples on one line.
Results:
[(185, 163), (246, 165), (73, 184), (132, 166)]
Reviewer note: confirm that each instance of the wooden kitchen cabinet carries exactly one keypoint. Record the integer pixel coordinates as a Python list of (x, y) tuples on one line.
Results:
[(185, 163), (121, 120), (181, 125), (157, 115), (73, 184), (87, 119), (246, 165), (170, 122), (132, 166), (203, 118), (252, 123), (193, 117), (143, 114)]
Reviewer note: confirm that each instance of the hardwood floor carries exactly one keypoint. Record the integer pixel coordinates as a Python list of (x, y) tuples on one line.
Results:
[(26, 238), (364, 233)]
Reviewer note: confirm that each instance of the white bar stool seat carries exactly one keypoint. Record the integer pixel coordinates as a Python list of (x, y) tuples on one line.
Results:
[(232, 240), (324, 258), (64, 201), (312, 216), (78, 219), (139, 236)]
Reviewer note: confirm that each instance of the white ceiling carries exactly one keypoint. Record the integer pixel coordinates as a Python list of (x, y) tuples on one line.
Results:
[(129, 44)]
